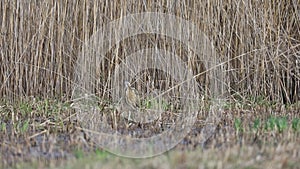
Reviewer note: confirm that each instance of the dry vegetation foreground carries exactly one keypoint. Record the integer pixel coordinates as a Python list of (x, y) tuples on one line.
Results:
[(44, 133)]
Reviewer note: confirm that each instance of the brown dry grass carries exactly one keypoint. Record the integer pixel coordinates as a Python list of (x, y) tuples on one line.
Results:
[(54, 138)]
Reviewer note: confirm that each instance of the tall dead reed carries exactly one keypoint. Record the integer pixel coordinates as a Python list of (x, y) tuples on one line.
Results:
[(258, 42)]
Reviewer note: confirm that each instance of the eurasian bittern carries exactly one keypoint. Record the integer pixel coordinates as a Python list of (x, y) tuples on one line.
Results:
[(131, 96)]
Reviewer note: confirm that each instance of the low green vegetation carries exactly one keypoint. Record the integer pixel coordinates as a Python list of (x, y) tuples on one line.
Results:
[(49, 130), (272, 123), (296, 124)]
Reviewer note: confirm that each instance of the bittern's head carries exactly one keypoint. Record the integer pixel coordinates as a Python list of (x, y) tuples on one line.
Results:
[(127, 84)]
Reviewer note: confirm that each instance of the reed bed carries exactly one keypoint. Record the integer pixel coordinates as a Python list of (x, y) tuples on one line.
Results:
[(257, 45), (258, 42)]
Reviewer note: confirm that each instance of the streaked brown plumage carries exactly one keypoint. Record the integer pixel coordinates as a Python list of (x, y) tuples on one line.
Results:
[(131, 96)]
